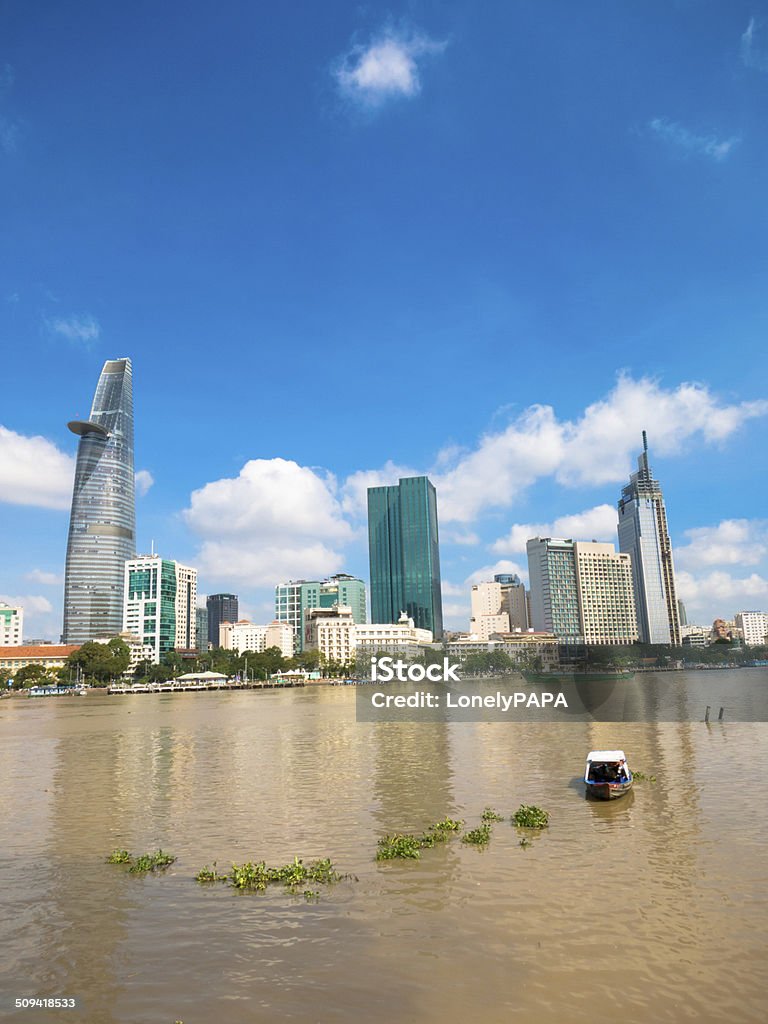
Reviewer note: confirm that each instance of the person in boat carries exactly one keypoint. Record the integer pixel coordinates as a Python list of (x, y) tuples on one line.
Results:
[(621, 774)]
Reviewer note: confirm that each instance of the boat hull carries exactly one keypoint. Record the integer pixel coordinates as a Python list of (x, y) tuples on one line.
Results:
[(607, 790)]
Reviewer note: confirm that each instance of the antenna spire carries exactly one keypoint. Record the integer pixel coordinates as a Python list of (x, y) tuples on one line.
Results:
[(645, 442)]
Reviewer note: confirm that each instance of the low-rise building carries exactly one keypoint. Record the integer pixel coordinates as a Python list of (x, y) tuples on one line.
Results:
[(247, 636), (692, 635), (48, 656), (401, 638), (523, 647)]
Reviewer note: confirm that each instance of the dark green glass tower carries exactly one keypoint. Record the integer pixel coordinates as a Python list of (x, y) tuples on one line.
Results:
[(404, 553)]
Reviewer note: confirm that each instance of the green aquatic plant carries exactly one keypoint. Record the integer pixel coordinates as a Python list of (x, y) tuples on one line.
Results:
[(530, 816), (525, 842), (255, 877), (209, 874), (642, 777), (119, 857), (311, 895), (406, 846), (151, 862), (250, 876), (478, 836), (398, 845), (490, 815)]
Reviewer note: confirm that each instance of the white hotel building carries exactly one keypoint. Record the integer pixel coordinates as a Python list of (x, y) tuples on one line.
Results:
[(753, 626), (11, 625), (245, 636)]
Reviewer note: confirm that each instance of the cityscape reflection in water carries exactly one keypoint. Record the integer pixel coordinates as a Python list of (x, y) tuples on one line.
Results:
[(652, 907)]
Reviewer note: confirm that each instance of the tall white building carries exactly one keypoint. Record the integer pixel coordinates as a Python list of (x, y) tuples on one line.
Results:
[(606, 594), (554, 588), (643, 534), (582, 591), (11, 625), (753, 626), (246, 636), (159, 604)]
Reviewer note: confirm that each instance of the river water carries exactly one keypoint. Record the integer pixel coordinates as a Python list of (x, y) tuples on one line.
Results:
[(649, 908)]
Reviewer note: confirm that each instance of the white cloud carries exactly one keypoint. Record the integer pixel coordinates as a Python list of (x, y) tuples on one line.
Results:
[(41, 619), (33, 471), (452, 589), (354, 493), (690, 142), (275, 520), (83, 329), (731, 542), (385, 68), (598, 523), (466, 538), (487, 572), (754, 52), (144, 481), (48, 579), (597, 448), (719, 594)]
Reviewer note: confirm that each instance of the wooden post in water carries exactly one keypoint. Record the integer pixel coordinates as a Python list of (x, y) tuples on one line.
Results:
[(720, 716), (706, 714)]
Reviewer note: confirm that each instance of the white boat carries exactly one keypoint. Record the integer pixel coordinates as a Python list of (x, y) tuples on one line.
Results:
[(607, 775)]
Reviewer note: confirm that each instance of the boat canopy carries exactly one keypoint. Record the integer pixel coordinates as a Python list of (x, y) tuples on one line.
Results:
[(606, 755)]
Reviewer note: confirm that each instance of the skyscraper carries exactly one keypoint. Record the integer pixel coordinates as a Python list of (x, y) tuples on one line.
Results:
[(160, 603), (221, 608), (404, 553), (102, 523), (644, 535)]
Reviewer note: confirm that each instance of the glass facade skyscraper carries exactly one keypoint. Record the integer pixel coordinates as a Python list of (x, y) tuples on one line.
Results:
[(221, 608), (102, 525), (644, 535), (404, 554)]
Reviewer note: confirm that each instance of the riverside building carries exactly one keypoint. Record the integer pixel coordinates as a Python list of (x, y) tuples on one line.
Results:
[(404, 554), (160, 603), (220, 608), (582, 591), (753, 627), (11, 625), (102, 522), (294, 599), (644, 535), (245, 636), (331, 631)]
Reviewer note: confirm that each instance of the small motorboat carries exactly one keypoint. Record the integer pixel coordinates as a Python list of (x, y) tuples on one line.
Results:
[(607, 775)]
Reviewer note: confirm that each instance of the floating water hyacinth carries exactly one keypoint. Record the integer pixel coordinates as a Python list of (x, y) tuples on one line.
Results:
[(478, 836), (530, 816)]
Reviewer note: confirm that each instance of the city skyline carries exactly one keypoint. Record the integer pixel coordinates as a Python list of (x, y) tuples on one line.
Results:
[(373, 216)]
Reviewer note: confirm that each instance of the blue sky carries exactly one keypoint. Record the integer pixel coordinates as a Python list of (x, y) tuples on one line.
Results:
[(343, 241)]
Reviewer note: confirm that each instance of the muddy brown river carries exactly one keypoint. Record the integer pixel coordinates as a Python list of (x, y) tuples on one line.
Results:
[(649, 908)]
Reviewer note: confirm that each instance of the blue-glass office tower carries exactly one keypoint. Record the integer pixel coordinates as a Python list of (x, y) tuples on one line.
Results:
[(644, 535), (102, 525), (404, 553)]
